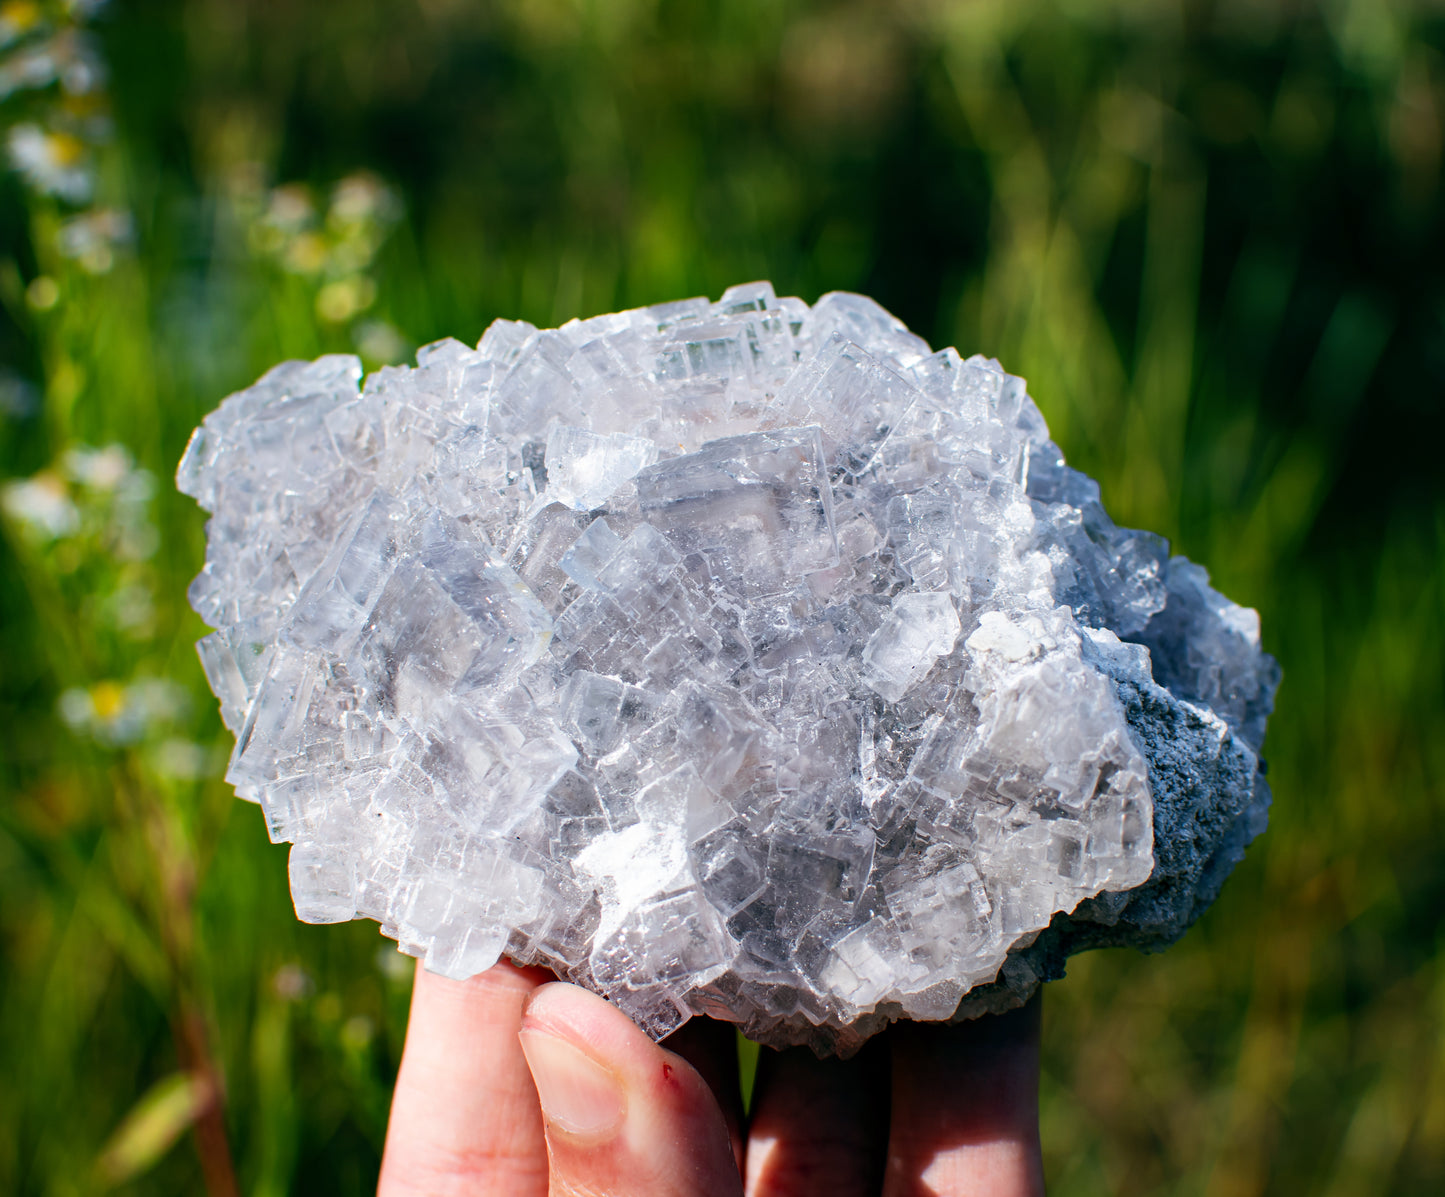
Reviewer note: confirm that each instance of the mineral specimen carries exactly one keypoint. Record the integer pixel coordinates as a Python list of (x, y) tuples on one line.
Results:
[(737, 658)]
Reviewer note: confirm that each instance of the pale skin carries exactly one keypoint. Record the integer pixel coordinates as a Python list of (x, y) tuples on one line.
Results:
[(512, 1083)]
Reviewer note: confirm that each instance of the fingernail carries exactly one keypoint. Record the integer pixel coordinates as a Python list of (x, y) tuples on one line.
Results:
[(576, 1092)]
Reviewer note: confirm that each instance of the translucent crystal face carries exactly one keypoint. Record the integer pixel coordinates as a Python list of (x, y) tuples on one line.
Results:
[(742, 658)]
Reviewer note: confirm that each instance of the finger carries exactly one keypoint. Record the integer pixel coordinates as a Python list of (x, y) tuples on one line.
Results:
[(464, 1118), (623, 1116), (711, 1047), (965, 1116), (818, 1126)]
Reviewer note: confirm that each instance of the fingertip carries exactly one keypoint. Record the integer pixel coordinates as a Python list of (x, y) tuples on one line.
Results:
[(621, 1113), (465, 1111), (581, 1097), (711, 1047), (499, 982), (590, 1021), (819, 1126), (965, 1107), (649, 1074)]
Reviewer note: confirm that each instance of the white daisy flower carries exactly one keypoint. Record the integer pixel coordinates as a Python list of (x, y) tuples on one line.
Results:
[(52, 163)]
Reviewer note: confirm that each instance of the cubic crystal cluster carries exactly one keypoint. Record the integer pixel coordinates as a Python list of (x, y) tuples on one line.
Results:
[(738, 658)]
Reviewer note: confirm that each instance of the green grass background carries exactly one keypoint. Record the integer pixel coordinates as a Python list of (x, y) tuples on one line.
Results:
[(1209, 233)]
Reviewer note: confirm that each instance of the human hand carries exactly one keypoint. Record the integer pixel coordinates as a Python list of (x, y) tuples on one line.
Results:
[(512, 1085)]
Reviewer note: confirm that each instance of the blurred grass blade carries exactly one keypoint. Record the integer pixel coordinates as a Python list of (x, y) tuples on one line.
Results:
[(747, 1069), (163, 1114)]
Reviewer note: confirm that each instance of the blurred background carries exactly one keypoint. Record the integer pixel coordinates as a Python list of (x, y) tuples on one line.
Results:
[(1209, 233)]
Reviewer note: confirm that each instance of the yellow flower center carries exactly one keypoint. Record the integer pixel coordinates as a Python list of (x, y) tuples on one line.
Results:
[(20, 15), (66, 149), (108, 698)]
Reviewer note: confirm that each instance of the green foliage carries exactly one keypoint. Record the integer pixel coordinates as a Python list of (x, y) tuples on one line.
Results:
[(1208, 233)]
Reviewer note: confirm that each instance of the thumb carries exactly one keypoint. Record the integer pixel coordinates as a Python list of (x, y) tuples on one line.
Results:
[(623, 1116)]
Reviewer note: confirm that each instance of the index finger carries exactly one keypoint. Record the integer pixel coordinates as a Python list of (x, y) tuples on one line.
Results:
[(465, 1116), (965, 1115)]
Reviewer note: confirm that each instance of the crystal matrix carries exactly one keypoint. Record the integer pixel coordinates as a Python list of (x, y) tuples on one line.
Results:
[(741, 658)]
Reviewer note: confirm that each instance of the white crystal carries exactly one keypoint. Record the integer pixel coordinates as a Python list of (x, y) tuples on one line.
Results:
[(919, 629), (585, 468), (739, 658)]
